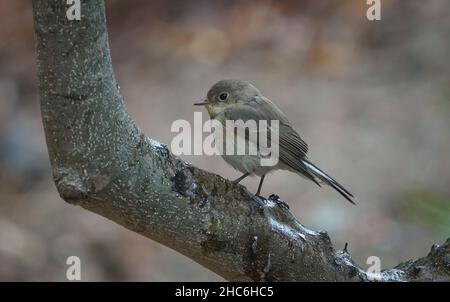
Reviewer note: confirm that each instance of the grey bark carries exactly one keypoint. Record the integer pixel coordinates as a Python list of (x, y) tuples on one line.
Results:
[(104, 163)]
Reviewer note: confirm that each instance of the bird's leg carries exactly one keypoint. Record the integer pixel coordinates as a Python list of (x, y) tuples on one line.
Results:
[(260, 185), (241, 178)]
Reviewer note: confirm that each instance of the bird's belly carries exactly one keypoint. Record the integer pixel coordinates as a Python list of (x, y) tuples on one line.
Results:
[(241, 153)]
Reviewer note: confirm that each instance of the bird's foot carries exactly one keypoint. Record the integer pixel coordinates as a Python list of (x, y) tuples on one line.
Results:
[(275, 198), (256, 203), (259, 199)]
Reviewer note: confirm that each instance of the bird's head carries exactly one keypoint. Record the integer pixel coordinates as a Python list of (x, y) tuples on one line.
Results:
[(227, 93)]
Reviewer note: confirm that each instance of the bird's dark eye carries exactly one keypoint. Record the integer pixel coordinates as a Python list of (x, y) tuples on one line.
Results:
[(223, 96)]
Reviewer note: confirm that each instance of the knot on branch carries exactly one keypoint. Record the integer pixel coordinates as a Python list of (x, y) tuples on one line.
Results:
[(70, 186)]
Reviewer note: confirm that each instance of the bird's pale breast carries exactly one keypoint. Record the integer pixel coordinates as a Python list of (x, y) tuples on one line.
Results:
[(247, 163)]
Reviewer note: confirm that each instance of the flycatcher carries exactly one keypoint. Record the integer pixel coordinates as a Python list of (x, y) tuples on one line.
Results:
[(235, 100)]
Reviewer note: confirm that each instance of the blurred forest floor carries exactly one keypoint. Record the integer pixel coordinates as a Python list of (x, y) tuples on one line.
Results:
[(372, 99)]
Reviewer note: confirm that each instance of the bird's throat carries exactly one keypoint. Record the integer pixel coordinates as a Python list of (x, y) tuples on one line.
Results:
[(213, 111)]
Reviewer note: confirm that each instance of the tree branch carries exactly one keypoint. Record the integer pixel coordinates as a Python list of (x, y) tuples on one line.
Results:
[(104, 163)]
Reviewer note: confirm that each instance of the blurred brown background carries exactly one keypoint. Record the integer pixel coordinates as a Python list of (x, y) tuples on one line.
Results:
[(372, 99)]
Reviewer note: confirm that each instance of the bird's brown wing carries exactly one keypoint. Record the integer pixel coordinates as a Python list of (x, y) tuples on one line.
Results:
[(261, 108), (292, 149), (289, 138)]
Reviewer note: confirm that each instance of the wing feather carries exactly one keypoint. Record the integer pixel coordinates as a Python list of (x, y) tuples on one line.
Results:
[(292, 149)]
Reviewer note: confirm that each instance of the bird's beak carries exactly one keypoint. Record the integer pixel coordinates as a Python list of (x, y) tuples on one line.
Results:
[(202, 103)]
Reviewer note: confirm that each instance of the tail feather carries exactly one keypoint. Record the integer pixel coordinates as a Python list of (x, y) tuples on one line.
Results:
[(325, 178)]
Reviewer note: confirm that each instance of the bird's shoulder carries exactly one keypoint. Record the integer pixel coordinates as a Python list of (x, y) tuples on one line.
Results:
[(258, 108)]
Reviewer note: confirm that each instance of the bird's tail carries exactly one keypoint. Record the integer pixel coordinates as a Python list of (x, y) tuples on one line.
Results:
[(325, 178)]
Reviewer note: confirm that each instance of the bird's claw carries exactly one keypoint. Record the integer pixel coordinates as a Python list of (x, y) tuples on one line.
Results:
[(275, 198)]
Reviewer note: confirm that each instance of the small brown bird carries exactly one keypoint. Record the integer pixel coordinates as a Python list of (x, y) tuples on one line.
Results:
[(239, 100)]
